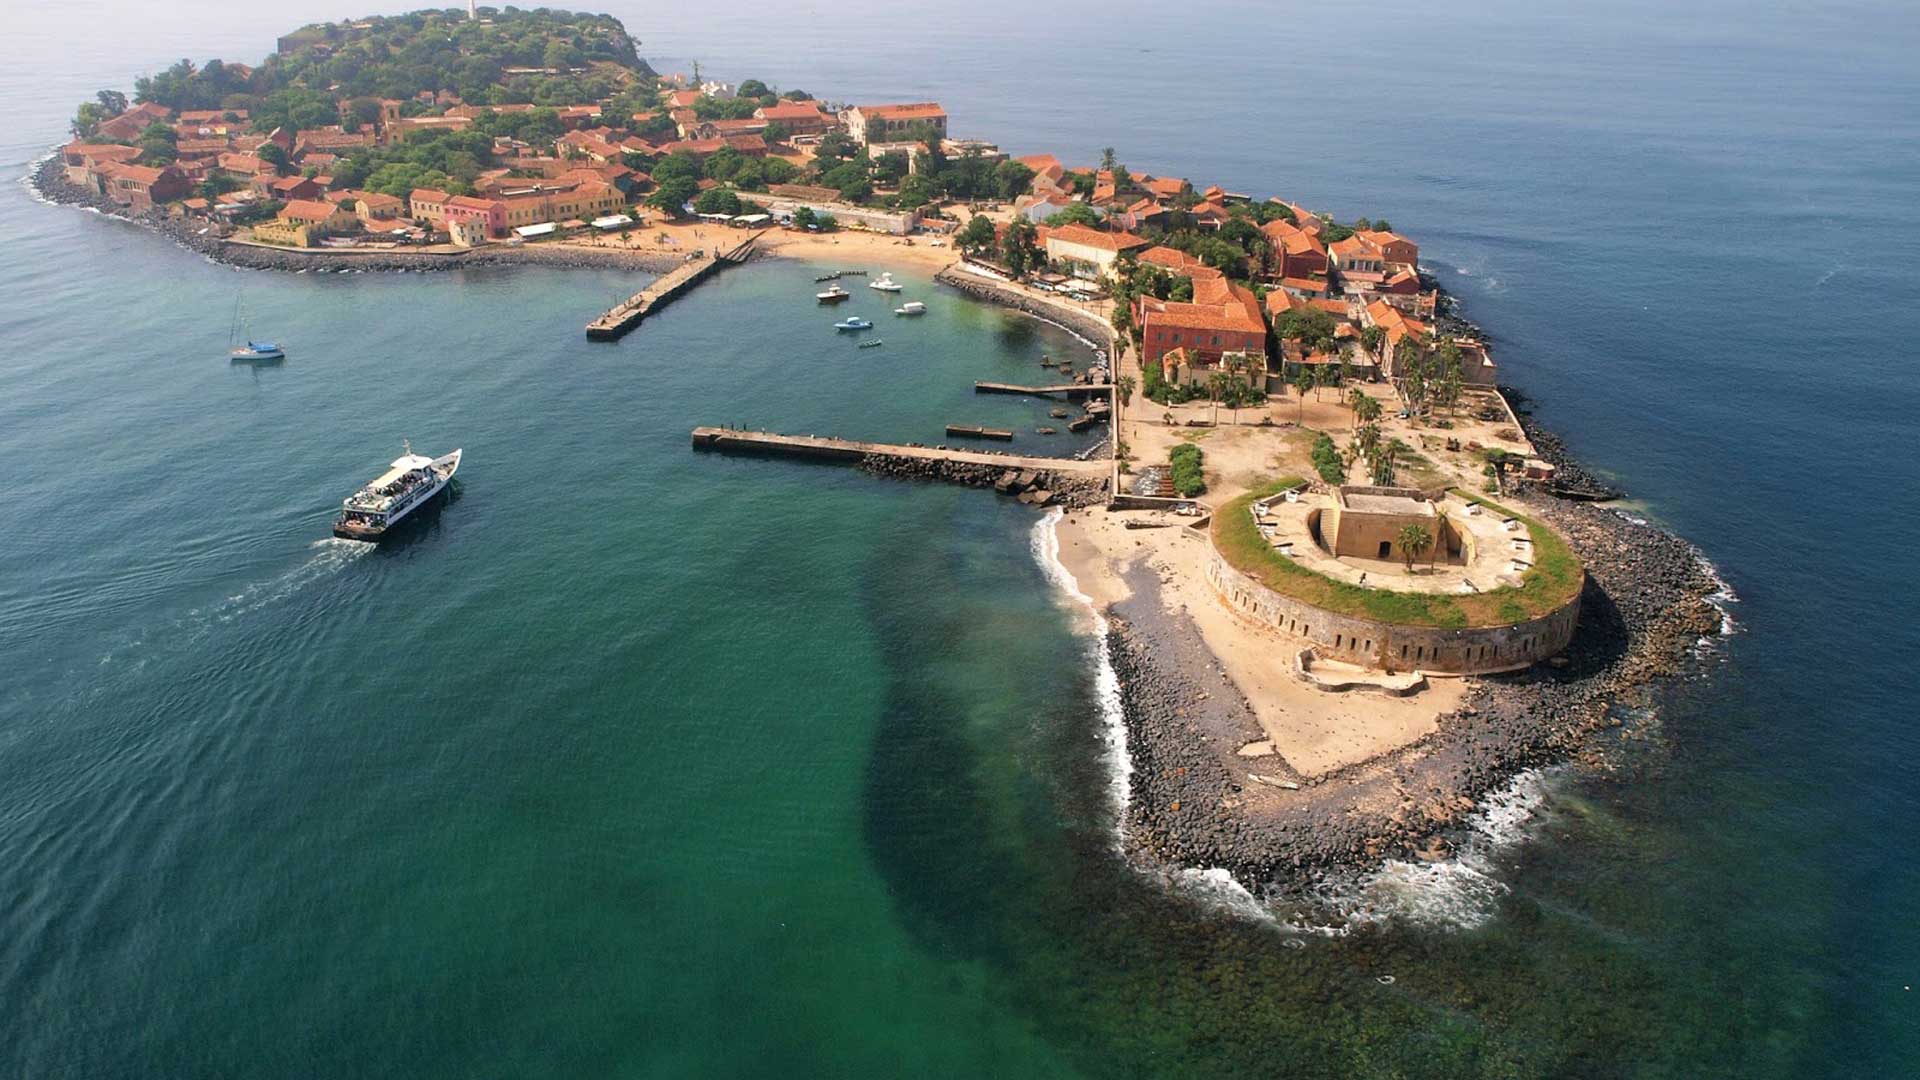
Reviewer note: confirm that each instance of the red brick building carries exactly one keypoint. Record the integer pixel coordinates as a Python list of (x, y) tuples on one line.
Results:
[(141, 187), (1223, 317)]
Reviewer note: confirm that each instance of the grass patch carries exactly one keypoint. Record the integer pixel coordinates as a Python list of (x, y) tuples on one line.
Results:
[(1554, 578)]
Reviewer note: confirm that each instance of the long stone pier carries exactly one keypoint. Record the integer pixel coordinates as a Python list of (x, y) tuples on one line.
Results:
[(1069, 389), (854, 452), (630, 312)]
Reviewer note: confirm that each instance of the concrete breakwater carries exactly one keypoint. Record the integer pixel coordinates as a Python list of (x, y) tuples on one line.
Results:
[(1083, 325), (1068, 481), (1644, 608), (629, 313)]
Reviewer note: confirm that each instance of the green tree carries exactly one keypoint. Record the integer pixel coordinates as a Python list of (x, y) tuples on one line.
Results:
[(1075, 214), (717, 201), (976, 235), (1413, 539), (1018, 251), (673, 194), (1303, 381), (1125, 386)]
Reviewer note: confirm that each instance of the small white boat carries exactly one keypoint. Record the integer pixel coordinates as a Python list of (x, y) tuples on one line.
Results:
[(911, 307), (833, 295), (885, 284), (853, 322)]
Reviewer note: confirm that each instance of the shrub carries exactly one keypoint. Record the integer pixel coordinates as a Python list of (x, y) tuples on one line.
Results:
[(1326, 459), (1187, 478)]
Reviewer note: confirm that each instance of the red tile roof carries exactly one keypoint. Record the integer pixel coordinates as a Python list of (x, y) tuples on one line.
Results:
[(308, 210), (919, 110), (1094, 238)]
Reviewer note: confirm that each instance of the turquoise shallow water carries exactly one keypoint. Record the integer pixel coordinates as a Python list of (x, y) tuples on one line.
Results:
[(636, 762)]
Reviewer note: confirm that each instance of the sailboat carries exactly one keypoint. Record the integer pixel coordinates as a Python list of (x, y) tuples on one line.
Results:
[(252, 350)]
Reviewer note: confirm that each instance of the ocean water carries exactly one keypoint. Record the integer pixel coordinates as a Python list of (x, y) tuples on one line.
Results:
[(635, 762)]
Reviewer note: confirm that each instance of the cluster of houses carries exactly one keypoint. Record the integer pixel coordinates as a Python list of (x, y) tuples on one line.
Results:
[(579, 180), (1368, 278)]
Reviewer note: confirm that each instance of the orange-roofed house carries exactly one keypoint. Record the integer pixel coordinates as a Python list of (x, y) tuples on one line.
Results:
[(375, 208), (683, 99), (294, 187), (1222, 318), (798, 117), (1358, 261), (890, 123), (81, 160), (141, 186), (1396, 251), (1404, 337), (473, 217), (1089, 253), (1295, 253), (428, 205), (1175, 261), (1165, 187)]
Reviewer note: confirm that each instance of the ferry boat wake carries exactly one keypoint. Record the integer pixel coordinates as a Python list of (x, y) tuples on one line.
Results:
[(408, 484)]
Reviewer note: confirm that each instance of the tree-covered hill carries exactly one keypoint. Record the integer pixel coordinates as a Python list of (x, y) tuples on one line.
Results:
[(508, 56)]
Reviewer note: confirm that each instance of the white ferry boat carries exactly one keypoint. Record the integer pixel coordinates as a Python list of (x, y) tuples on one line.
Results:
[(408, 484), (885, 284)]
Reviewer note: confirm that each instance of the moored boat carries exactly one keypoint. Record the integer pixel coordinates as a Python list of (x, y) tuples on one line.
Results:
[(911, 307), (833, 295), (874, 344), (884, 283), (408, 484), (252, 350), (853, 322)]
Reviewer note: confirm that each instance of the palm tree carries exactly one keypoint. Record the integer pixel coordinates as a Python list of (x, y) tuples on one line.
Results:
[(1216, 389), (1354, 398), (1367, 408), (1440, 517), (1303, 381), (1413, 539), (1125, 385)]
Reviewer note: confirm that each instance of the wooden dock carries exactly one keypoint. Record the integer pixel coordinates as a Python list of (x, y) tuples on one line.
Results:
[(1069, 389), (632, 311), (852, 451)]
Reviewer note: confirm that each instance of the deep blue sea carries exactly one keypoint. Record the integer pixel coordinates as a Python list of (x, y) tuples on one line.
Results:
[(642, 763)]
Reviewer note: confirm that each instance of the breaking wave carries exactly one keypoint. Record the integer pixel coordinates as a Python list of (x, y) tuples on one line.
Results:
[(1045, 545), (1459, 893)]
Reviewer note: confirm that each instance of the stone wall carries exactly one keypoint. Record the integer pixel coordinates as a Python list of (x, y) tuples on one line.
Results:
[(1468, 651), (1083, 324)]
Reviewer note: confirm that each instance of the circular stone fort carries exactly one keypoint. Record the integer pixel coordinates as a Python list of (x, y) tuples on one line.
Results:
[(1397, 580)]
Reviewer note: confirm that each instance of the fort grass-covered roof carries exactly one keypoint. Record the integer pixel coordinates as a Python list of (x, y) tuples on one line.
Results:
[(1555, 578)]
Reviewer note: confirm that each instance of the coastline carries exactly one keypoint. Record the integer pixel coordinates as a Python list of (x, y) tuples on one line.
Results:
[(1194, 805), (1182, 717)]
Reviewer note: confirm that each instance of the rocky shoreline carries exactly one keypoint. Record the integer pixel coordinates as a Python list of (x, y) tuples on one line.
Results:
[(1081, 324), (1063, 489), (1645, 608), (47, 180)]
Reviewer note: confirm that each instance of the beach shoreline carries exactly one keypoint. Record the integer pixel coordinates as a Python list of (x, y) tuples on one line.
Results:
[(1190, 714)]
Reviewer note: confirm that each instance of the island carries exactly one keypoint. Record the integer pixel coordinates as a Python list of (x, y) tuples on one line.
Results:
[(1346, 586)]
